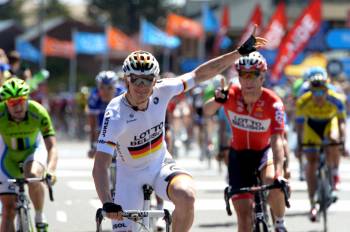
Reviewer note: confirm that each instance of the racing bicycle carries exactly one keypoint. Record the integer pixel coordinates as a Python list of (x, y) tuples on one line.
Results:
[(260, 213), (23, 218), (324, 196), (143, 219)]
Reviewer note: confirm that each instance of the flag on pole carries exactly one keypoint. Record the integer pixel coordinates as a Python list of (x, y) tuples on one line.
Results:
[(58, 48), (305, 26), (90, 43), (255, 18), (28, 51), (277, 27), (151, 34), (210, 22), (119, 41), (182, 26), (221, 40)]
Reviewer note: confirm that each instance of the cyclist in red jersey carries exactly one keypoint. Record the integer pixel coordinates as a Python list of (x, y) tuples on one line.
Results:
[(256, 116)]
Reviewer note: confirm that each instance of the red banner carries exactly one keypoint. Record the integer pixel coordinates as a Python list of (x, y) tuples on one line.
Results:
[(305, 26), (255, 18), (119, 41), (58, 48), (276, 28), (179, 25)]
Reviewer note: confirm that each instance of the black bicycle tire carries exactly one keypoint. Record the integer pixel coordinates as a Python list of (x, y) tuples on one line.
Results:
[(24, 221), (323, 198), (261, 226)]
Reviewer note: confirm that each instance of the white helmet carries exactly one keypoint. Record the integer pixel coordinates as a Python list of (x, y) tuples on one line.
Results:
[(141, 63), (106, 78), (252, 62)]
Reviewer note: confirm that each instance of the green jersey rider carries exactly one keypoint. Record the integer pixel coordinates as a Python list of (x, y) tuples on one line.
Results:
[(27, 149)]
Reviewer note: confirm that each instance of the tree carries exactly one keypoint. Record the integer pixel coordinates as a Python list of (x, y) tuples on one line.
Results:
[(126, 14), (11, 10), (54, 8)]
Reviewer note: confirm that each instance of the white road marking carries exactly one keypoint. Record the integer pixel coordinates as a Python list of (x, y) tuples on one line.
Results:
[(61, 216)]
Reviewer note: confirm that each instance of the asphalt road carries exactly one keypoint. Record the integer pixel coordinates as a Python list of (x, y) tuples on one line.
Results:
[(76, 200)]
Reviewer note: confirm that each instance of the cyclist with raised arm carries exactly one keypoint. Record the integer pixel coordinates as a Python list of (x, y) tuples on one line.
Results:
[(256, 116), (106, 89), (27, 149), (320, 119), (134, 127)]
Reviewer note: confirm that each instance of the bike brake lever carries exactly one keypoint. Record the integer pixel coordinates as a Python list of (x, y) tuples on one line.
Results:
[(227, 201), (49, 186), (286, 196)]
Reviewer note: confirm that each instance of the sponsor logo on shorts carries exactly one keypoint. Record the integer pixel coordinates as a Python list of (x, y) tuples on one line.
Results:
[(119, 225)]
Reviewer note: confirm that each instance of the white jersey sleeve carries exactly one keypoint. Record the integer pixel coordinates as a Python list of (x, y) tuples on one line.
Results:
[(172, 86), (112, 127)]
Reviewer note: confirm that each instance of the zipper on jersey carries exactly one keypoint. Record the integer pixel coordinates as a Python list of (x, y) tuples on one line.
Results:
[(248, 131)]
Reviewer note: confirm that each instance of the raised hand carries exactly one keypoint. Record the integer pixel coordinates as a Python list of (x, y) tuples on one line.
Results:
[(221, 93), (252, 43)]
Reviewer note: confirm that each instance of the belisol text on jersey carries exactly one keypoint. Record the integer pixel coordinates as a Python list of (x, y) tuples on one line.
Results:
[(249, 123), (147, 135)]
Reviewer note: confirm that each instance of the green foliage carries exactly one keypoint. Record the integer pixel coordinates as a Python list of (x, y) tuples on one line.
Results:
[(11, 10), (126, 14), (54, 8)]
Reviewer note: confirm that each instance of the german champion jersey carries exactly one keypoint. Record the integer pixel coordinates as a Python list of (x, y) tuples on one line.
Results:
[(138, 136), (253, 130)]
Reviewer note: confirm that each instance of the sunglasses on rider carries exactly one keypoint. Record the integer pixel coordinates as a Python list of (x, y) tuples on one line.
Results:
[(16, 101), (147, 80), (249, 74)]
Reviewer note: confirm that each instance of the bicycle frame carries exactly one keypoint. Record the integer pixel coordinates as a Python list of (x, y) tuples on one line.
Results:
[(324, 188), (24, 222), (140, 215), (324, 183)]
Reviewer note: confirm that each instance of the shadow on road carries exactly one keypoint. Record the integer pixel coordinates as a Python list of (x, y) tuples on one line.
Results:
[(216, 225)]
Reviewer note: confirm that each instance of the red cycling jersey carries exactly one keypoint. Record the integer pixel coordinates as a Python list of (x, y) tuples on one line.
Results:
[(253, 130)]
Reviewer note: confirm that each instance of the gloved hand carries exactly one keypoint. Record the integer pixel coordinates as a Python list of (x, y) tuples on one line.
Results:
[(113, 210), (51, 176), (251, 44), (221, 95), (248, 46), (283, 182)]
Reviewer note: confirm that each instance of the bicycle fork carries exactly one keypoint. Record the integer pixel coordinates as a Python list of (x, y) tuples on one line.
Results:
[(147, 192)]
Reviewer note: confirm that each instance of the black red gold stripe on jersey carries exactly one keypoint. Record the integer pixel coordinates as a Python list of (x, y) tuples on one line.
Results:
[(146, 149), (184, 84)]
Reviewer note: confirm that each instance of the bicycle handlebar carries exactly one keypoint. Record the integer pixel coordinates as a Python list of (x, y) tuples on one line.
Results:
[(22, 181), (323, 144), (229, 192), (135, 215)]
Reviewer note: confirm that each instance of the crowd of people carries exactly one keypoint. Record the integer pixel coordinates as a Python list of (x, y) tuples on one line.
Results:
[(139, 118)]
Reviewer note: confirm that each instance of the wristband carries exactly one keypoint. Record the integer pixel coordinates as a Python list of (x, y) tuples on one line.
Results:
[(188, 81)]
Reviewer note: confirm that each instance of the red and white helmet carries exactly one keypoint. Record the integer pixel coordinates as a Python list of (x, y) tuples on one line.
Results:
[(252, 62)]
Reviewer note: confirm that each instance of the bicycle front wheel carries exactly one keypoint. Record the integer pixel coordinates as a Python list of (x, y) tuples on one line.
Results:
[(261, 226), (324, 199), (23, 221)]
